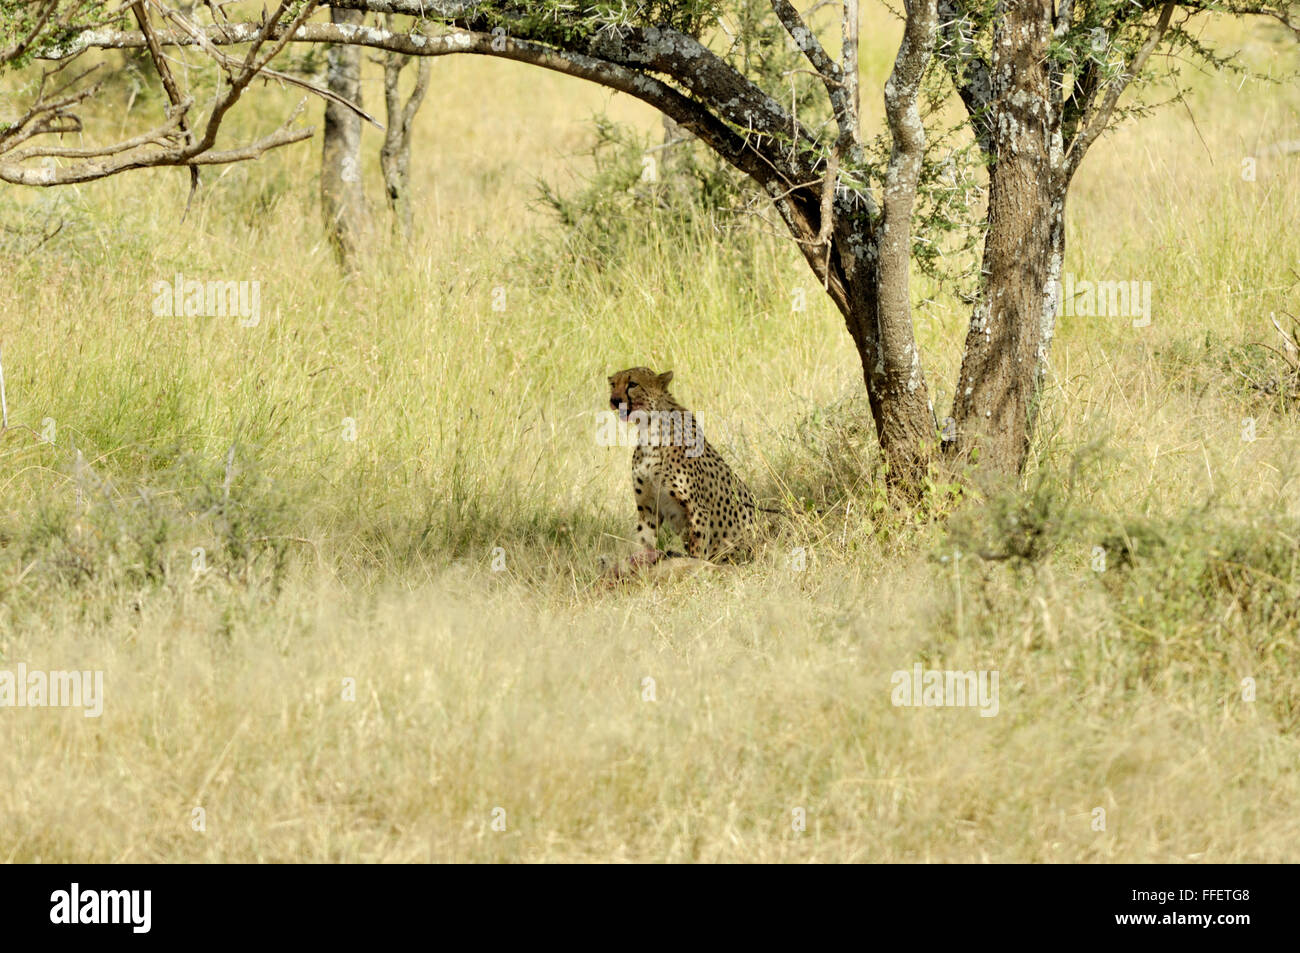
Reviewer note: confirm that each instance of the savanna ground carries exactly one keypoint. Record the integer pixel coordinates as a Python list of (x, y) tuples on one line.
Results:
[(525, 689)]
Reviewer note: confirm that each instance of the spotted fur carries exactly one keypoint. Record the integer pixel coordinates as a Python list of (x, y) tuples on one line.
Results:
[(678, 479)]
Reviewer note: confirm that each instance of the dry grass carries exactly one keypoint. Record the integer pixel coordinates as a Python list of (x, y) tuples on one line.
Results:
[(371, 560)]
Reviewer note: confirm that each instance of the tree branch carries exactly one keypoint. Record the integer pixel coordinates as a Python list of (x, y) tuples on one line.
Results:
[(1096, 123), (15, 174), (830, 72), (968, 70), (753, 123), (171, 144)]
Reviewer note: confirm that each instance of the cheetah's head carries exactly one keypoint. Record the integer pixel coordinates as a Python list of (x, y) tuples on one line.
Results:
[(638, 388)]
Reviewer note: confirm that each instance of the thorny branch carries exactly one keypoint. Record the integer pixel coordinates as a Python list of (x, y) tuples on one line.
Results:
[(53, 108)]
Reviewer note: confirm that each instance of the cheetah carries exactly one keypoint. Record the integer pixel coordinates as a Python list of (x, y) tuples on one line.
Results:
[(677, 477)]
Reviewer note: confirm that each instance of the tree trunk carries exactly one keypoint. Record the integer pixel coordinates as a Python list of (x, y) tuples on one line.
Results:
[(343, 198), (879, 320), (907, 431), (395, 156), (880, 323), (1012, 325)]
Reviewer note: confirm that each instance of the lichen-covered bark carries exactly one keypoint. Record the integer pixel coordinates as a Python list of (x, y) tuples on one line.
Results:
[(1006, 345), (907, 429), (1035, 132)]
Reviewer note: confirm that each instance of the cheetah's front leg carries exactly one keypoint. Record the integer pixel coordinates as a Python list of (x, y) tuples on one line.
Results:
[(696, 531), (647, 519), (701, 539)]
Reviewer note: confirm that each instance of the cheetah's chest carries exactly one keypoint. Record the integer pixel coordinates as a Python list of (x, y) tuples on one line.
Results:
[(649, 474)]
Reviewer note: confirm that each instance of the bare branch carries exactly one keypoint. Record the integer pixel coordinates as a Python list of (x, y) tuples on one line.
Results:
[(232, 65), (832, 76), (849, 69), (40, 115), (162, 135), (622, 62), (169, 86), (172, 143), (86, 172)]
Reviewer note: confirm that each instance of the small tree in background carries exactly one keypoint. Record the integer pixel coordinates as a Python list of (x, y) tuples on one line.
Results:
[(395, 155)]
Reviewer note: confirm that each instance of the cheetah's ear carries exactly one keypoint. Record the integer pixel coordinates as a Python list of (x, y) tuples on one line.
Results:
[(664, 378)]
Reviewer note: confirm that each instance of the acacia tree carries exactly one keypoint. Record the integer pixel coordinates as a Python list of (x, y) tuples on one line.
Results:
[(1041, 83), (849, 215), (1036, 95)]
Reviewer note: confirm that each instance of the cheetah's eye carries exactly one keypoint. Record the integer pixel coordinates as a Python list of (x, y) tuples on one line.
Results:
[(631, 384)]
